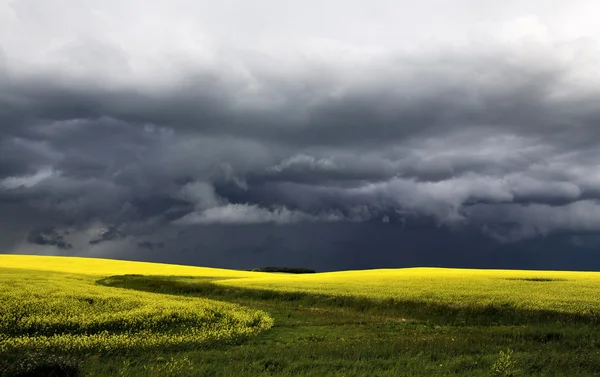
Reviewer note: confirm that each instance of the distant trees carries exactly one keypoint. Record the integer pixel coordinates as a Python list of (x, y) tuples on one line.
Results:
[(288, 270)]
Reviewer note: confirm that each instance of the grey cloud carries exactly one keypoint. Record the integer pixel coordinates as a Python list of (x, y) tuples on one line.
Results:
[(48, 236), (109, 234), (403, 97), (512, 222), (117, 141), (249, 214), (150, 245)]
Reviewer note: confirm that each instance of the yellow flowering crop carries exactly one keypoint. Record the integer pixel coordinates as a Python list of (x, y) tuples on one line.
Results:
[(569, 292), (107, 267), (45, 310), (54, 303)]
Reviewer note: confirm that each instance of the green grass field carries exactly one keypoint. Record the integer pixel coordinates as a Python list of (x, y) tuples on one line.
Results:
[(78, 316)]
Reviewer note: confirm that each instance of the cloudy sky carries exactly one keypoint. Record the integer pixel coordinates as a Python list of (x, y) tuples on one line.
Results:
[(326, 134)]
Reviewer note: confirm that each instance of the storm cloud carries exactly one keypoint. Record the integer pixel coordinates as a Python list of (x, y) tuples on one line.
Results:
[(337, 135)]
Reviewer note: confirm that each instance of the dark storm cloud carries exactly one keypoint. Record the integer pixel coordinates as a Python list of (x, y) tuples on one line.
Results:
[(123, 144), (48, 236), (403, 97), (150, 245), (112, 233), (445, 137)]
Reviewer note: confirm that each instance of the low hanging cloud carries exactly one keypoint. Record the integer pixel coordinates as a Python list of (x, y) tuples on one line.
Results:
[(112, 233), (249, 214), (126, 128), (210, 208), (513, 221), (49, 237)]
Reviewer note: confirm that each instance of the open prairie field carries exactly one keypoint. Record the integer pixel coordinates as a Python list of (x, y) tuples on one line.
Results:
[(571, 293), (80, 316)]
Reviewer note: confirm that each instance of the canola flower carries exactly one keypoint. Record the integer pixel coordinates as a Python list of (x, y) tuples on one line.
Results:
[(66, 312), (560, 291), (53, 303), (107, 267)]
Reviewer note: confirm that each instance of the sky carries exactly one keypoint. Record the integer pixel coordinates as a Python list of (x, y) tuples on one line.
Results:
[(320, 134)]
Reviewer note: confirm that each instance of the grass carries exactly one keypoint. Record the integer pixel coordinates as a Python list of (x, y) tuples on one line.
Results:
[(408, 322)]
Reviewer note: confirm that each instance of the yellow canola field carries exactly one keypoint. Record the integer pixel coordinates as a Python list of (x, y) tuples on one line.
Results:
[(107, 267), (570, 292), (53, 305)]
